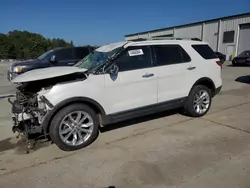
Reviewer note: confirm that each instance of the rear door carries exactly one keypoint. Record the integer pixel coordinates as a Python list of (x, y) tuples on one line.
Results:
[(175, 71), (64, 57)]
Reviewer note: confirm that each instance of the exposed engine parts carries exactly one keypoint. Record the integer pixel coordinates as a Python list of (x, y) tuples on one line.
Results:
[(29, 108), (26, 116)]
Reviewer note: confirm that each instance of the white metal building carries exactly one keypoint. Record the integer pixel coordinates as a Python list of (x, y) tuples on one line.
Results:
[(229, 35)]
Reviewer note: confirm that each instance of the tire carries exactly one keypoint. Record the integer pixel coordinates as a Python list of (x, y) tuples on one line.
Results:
[(60, 131), (234, 64), (189, 108)]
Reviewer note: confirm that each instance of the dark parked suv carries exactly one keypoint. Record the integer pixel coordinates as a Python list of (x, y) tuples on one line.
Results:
[(63, 56)]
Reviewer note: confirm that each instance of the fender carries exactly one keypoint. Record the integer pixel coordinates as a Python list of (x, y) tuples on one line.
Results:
[(205, 80), (49, 116)]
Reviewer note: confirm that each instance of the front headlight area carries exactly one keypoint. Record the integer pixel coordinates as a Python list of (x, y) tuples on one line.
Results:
[(18, 69), (43, 102)]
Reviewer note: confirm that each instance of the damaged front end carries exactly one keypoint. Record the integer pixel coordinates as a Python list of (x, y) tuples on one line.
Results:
[(28, 110), (30, 106)]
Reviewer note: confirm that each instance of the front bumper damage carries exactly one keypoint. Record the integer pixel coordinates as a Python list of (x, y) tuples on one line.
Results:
[(11, 75), (32, 108), (28, 117)]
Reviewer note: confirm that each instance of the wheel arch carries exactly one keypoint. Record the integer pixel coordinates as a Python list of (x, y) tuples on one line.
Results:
[(206, 82), (84, 100)]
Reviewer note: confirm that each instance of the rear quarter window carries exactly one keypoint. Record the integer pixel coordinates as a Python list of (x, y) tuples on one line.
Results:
[(205, 51)]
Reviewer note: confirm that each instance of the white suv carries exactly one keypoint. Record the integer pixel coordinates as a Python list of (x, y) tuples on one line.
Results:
[(116, 82)]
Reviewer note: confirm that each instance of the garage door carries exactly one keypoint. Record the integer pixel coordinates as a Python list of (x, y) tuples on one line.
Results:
[(244, 38)]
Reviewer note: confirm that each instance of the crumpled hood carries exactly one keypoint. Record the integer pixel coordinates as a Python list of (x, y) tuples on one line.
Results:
[(45, 73)]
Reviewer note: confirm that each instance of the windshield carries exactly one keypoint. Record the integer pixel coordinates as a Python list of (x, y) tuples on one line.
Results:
[(43, 56), (95, 59), (245, 53)]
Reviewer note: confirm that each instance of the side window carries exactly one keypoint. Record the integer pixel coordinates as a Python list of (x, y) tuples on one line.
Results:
[(64, 54), (81, 52), (135, 57), (170, 54), (205, 51), (185, 56)]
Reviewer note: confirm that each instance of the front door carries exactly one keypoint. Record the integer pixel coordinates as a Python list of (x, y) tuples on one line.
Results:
[(135, 85)]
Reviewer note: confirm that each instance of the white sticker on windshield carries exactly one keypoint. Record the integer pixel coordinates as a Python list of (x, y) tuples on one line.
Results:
[(135, 52)]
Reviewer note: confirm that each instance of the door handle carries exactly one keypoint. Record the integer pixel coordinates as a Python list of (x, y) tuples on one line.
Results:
[(191, 68), (148, 75)]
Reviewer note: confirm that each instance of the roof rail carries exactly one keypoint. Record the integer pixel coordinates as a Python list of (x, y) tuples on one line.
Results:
[(165, 38), (138, 39)]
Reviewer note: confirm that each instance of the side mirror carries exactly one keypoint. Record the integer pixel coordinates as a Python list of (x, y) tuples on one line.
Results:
[(52, 59), (114, 69)]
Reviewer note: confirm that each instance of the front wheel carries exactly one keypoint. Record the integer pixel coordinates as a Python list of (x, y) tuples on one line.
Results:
[(74, 127), (199, 101)]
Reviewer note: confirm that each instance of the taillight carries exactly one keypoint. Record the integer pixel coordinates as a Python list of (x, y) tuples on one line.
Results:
[(219, 63)]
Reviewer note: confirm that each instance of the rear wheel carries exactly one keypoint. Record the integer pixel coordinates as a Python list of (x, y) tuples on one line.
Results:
[(199, 101), (74, 127)]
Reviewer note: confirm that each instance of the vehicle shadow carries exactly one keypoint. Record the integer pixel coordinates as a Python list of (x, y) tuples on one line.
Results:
[(243, 79), (138, 120), (19, 145)]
